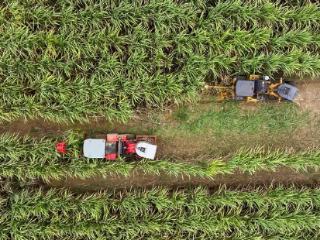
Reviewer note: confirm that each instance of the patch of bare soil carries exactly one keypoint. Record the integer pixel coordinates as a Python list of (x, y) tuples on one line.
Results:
[(249, 106), (309, 96), (183, 148), (283, 176)]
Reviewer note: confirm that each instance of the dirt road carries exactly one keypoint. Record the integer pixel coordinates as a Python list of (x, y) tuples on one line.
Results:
[(193, 149), (309, 96)]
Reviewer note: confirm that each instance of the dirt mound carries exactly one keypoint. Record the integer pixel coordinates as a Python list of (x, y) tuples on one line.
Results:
[(309, 96)]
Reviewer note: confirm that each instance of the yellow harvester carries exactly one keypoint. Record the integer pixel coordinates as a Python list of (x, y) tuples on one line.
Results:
[(254, 88)]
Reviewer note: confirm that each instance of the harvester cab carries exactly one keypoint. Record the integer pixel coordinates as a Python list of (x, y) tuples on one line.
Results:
[(114, 146), (255, 88)]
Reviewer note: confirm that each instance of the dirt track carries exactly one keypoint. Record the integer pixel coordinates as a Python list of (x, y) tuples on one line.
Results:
[(180, 147), (309, 96), (309, 136), (308, 99)]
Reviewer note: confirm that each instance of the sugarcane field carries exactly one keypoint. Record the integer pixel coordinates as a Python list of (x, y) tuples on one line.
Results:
[(171, 120)]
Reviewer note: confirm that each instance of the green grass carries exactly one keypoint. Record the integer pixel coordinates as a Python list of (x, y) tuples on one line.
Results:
[(274, 213), (68, 61), (230, 118), (182, 114), (218, 120)]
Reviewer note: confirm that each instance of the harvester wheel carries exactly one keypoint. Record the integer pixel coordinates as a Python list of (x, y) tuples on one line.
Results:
[(292, 83)]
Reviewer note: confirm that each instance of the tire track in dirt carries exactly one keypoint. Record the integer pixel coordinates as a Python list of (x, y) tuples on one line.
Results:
[(308, 99), (309, 96)]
